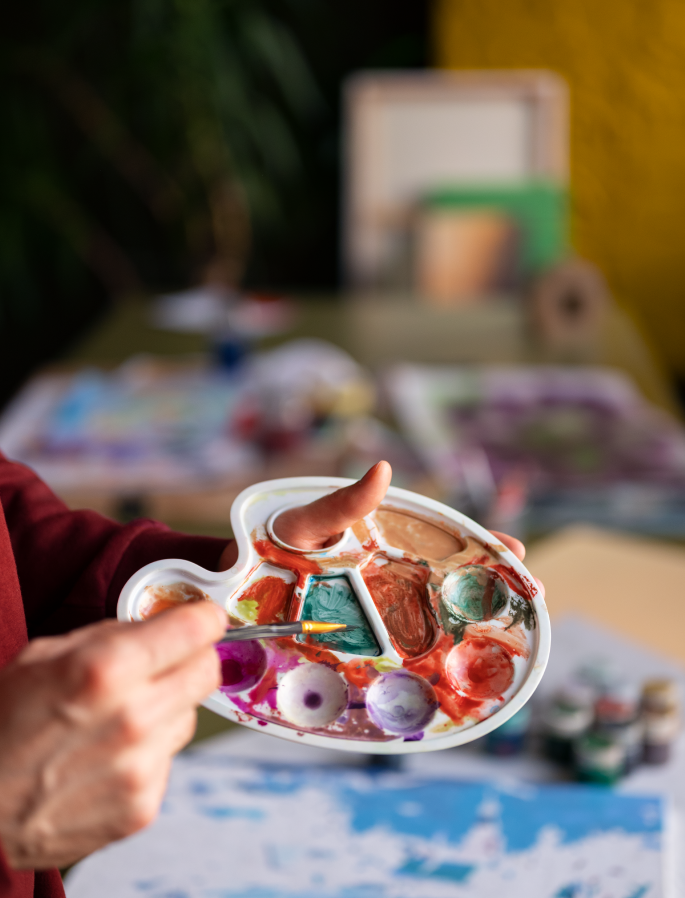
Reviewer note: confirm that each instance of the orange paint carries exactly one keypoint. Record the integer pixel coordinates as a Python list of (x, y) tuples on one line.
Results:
[(162, 598), (315, 653), (482, 668), (272, 596), (265, 685), (399, 592), (360, 673), (457, 707), (281, 558)]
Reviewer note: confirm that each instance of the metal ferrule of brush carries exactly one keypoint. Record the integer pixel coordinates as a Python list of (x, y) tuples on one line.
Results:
[(273, 631)]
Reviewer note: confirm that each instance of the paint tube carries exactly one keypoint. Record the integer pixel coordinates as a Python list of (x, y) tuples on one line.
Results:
[(510, 738), (599, 758)]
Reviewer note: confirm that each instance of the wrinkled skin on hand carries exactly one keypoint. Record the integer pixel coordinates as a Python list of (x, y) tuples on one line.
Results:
[(90, 721)]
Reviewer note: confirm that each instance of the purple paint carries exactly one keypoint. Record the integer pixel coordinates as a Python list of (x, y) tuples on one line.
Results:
[(401, 702), (243, 664)]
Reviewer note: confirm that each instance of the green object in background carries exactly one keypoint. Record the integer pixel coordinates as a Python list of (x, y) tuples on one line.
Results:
[(539, 207)]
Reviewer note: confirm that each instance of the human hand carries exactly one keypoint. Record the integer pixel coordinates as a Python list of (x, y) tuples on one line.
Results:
[(312, 526), (89, 723)]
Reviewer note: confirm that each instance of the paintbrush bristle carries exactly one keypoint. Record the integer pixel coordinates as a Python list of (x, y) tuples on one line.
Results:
[(317, 626)]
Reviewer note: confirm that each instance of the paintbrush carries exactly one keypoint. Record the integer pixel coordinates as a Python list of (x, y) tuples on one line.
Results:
[(273, 631)]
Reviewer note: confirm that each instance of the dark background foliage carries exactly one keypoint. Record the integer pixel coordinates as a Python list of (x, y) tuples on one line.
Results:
[(148, 144)]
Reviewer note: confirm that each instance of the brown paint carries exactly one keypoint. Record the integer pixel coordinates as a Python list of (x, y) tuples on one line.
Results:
[(399, 592), (162, 598), (412, 534)]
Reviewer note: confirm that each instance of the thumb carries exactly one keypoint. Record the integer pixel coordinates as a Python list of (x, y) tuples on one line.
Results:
[(311, 527)]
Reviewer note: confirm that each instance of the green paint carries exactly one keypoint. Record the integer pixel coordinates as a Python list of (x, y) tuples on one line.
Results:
[(247, 609), (473, 592), (385, 665), (333, 600), (521, 613)]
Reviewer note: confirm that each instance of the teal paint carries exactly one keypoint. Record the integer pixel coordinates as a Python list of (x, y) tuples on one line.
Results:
[(332, 599), (474, 593)]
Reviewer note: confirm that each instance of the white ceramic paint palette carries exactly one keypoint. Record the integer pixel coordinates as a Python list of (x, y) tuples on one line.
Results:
[(451, 632)]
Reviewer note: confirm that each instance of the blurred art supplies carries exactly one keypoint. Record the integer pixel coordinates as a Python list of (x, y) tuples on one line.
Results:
[(581, 441), (661, 716), (179, 425), (568, 307), (143, 426)]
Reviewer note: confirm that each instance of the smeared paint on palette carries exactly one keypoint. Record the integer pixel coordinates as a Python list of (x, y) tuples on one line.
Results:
[(451, 635)]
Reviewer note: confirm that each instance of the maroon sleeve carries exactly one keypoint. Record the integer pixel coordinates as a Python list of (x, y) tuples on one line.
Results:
[(73, 564)]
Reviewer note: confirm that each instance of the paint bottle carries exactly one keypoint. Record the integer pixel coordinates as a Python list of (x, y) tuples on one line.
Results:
[(599, 758), (617, 715), (566, 719), (510, 738), (661, 718)]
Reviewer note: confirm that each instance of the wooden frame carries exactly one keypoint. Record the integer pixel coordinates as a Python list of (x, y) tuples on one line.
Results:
[(527, 108)]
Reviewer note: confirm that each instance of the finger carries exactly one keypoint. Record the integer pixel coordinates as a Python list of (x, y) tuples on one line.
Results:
[(311, 526), (149, 648), (515, 545), (541, 586), (184, 687)]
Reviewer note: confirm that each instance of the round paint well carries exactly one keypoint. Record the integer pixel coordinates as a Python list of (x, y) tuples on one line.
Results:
[(243, 664), (401, 702), (480, 668), (311, 695), (474, 592)]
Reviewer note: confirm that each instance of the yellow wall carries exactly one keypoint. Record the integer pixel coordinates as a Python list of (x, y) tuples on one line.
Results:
[(625, 63)]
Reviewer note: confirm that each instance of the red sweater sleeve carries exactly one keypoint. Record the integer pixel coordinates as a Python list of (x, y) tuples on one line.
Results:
[(73, 564)]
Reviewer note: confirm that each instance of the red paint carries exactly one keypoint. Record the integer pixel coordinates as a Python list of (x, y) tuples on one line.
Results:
[(399, 592), (272, 596), (513, 580), (313, 652), (360, 673), (265, 689), (281, 558), (482, 668), (457, 707)]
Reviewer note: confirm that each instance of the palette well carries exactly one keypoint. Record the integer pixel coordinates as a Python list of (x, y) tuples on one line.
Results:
[(451, 633)]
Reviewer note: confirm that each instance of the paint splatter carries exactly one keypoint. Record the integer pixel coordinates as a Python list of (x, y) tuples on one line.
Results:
[(333, 600), (399, 592)]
